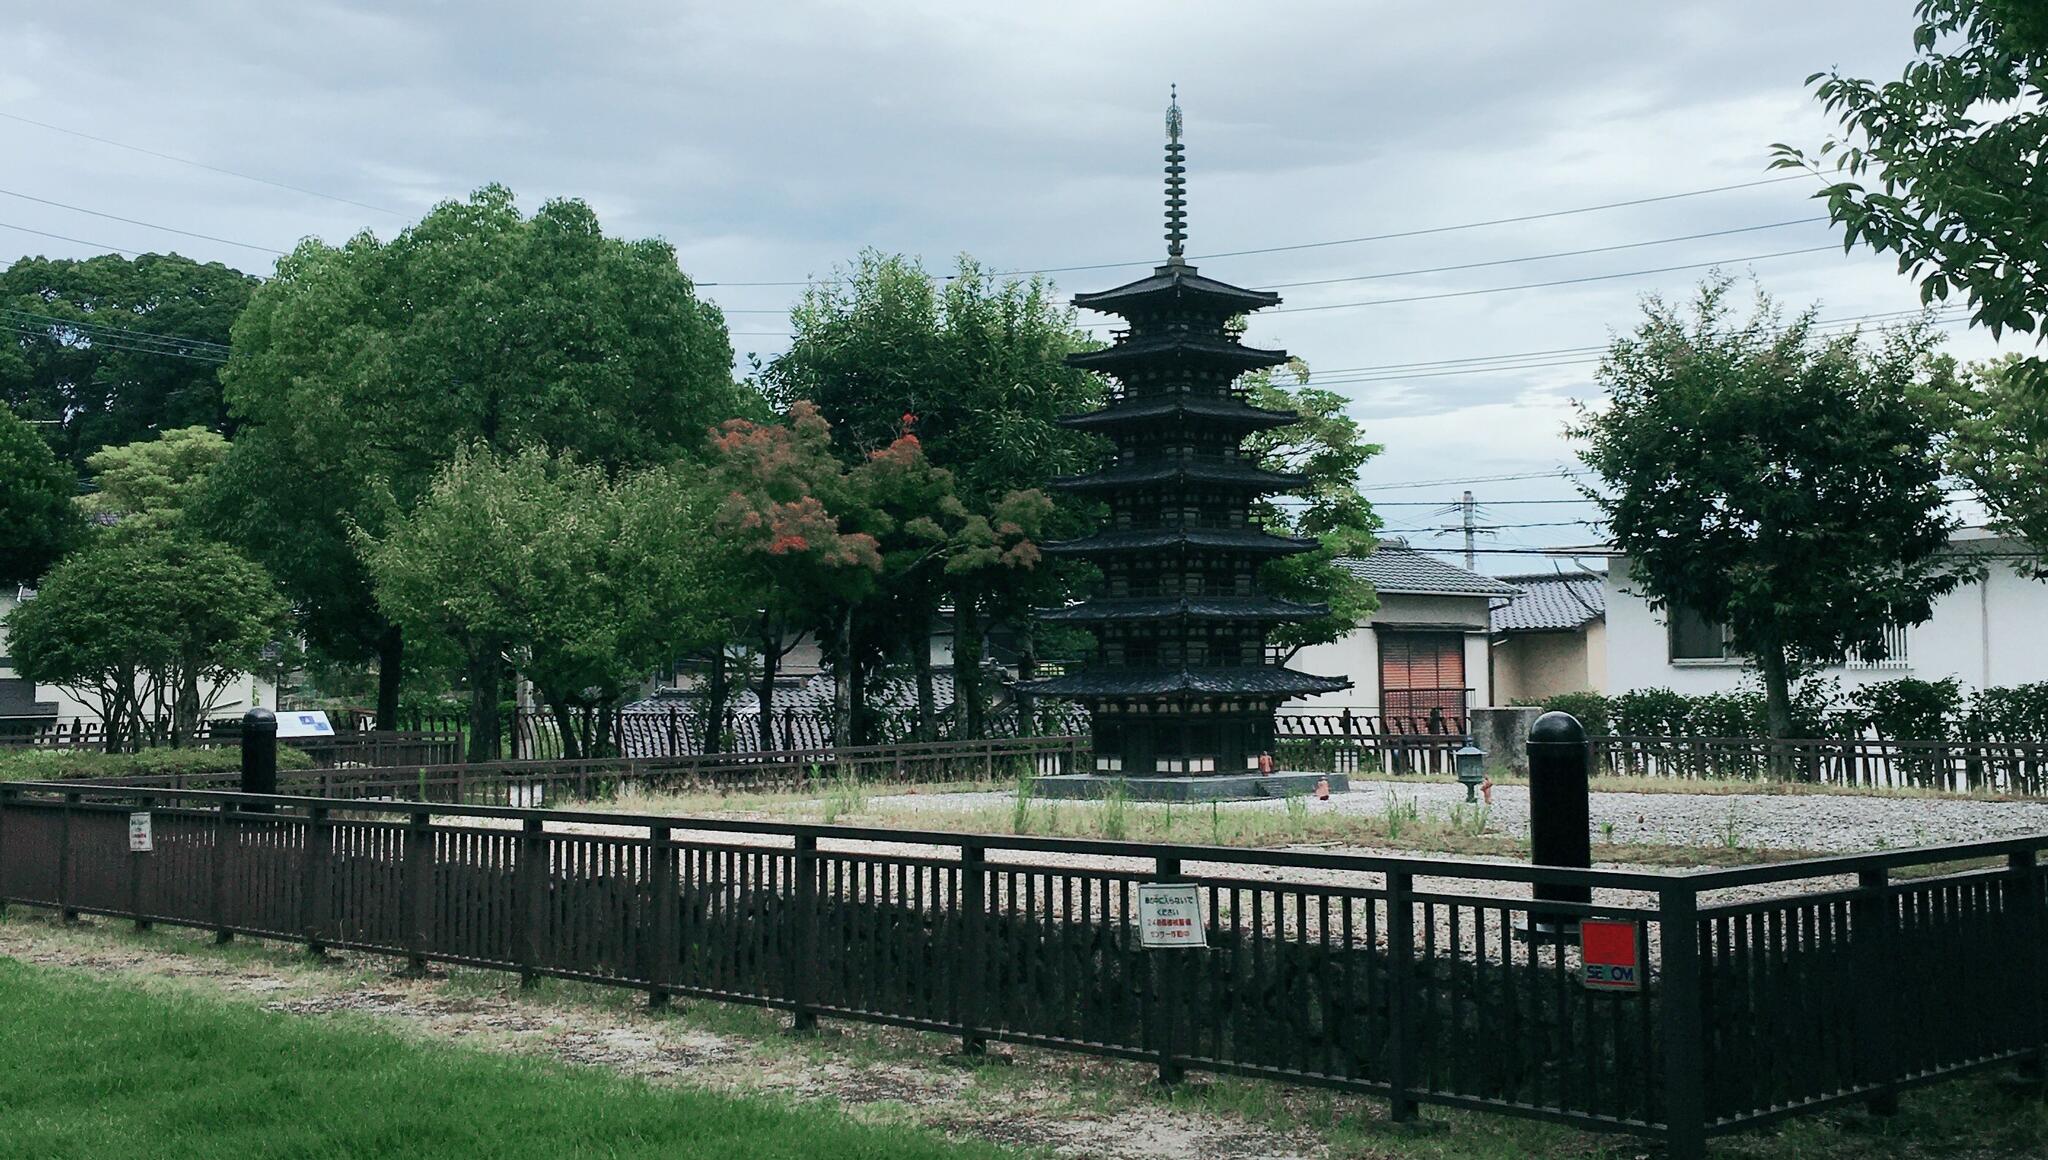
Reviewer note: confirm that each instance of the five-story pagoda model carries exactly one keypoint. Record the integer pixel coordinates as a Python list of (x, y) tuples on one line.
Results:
[(1181, 692)]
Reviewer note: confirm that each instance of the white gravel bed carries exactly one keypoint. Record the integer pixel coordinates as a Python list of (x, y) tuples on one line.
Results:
[(1831, 823)]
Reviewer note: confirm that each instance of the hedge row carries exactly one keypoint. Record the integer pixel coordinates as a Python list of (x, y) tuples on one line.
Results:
[(1900, 710), (61, 764)]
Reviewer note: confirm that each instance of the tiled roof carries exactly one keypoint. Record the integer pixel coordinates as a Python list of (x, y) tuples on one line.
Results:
[(1234, 539), (1250, 680), (1396, 568), (1195, 608), (1552, 601)]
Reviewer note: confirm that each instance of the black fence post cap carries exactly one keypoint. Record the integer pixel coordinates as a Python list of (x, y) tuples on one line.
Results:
[(1557, 728), (260, 719)]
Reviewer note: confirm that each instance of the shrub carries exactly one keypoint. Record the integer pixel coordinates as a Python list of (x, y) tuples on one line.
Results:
[(1590, 708), (62, 764), (1909, 709)]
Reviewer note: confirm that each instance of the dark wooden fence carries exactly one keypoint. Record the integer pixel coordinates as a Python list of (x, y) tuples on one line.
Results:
[(2015, 767), (347, 746), (1835, 980), (1363, 741), (533, 783)]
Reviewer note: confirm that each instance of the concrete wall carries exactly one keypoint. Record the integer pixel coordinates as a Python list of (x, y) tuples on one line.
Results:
[(1531, 665), (1994, 632)]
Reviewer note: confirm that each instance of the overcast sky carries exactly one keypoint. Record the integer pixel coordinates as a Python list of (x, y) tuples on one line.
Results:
[(769, 142)]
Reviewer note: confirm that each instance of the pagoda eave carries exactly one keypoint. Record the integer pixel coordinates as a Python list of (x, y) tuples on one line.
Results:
[(1264, 611), (1156, 349), (1176, 281), (1217, 413), (1249, 478), (1247, 541), (1251, 682)]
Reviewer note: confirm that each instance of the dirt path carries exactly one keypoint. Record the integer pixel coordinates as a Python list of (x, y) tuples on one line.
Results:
[(1064, 1105)]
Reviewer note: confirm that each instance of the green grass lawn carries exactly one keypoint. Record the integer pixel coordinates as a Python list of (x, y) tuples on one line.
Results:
[(89, 1069)]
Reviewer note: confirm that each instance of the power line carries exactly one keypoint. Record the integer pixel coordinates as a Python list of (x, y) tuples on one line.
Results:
[(101, 342), (1558, 473), (74, 241), (1545, 257), (87, 323), (198, 164), (1530, 217), (1556, 282), (138, 222)]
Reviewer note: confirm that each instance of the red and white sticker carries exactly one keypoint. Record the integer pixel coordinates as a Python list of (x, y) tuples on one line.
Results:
[(1608, 947), (1170, 915)]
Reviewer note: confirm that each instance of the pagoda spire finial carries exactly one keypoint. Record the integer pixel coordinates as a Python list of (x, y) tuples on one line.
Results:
[(1176, 180)]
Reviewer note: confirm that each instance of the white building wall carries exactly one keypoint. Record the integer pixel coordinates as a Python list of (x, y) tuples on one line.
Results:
[(1993, 632)]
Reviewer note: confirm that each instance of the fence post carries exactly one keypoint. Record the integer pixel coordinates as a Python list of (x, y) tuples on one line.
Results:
[(973, 971), (1167, 999), (2026, 896), (64, 861), (7, 796), (1402, 1107), (530, 898), (662, 930), (1679, 1008), (313, 878), (224, 841), (416, 888), (805, 864), (1872, 916), (1559, 805), (259, 753), (137, 862)]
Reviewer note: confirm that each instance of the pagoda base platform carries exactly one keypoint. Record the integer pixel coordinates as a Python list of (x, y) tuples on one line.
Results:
[(1205, 787)]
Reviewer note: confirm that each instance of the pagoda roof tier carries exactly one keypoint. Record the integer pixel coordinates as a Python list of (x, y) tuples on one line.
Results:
[(1245, 681), (1165, 346), (1153, 408), (1239, 608), (1143, 474), (1250, 541), (1176, 280)]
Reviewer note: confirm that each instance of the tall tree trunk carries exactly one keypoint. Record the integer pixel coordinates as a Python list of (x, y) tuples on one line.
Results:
[(967, 664), (390, 667), (565, 724), (485, 671), (1027, 669), (185, 709), (921, 664), (717, 691), (843, 680), (1777, 704), (771, 656)]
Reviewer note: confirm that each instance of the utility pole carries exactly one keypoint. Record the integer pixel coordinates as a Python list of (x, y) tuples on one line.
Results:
[(1469, 509)]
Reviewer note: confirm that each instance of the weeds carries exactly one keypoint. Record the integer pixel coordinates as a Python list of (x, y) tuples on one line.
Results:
[(1732, 828), (1116, 812), (1398, 813), (1215, 824), (848, 795), (1468, 820), (1297, 816), (1607, 833), (1020, 805)]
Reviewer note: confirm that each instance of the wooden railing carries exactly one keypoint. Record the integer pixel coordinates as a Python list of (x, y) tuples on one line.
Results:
[(531, 783), (2012, 767), (1753, 993)]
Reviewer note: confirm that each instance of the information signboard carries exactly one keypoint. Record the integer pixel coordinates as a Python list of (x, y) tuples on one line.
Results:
[(1170, 915), (141, 833), (1608, 949), (303, 723)]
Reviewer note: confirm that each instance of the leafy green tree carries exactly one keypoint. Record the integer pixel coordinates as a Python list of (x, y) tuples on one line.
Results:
[(1329, 447), (38, 520), (148, 629), (1955, 147), (360, 371), (149, 485), (978, 367), (1785, 485), (581, 583), (2001, 446), (113, 349)]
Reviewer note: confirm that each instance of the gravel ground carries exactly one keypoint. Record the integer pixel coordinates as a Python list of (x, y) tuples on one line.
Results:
[(1832, 823)]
